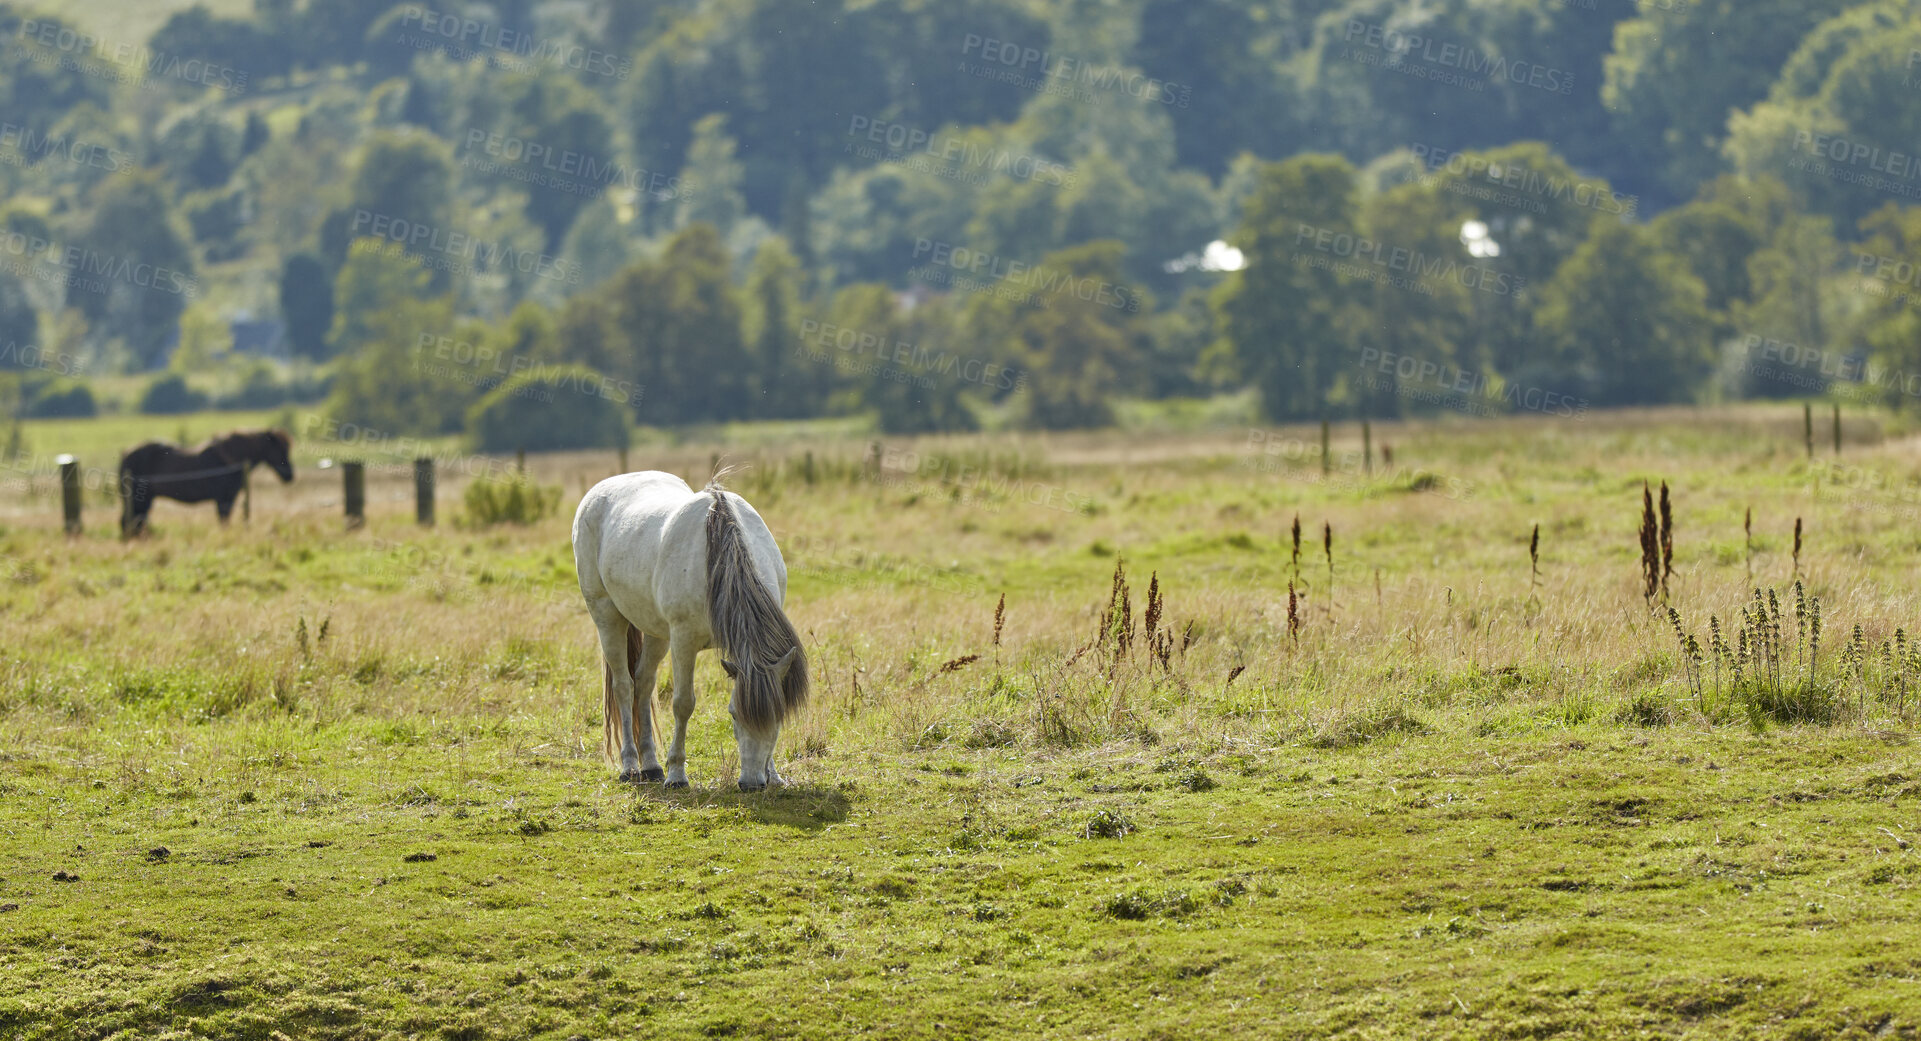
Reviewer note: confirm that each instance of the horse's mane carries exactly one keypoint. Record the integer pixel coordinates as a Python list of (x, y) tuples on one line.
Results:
[(231, 436), (748, 625)]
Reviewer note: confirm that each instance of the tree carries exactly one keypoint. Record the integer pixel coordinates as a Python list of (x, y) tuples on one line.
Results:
[(1890, 322), (1676, 72), (1229, 96), (550, 409), (307, 304), (19, 324), (712, 178), (138, 271), (402, 187), (397, 386), (377, 276), (671, 328), (240, 52), (38, 81), (771, 331), (205, 341), (1628, 324), (1289, 314), (1791, 280)]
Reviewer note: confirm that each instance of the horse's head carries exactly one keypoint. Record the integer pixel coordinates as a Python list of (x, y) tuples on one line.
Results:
[(757, 688), (276, 450)]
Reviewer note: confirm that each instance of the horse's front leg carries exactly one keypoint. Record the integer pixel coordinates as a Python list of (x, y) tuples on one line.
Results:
[(682, 651), (224, 505)]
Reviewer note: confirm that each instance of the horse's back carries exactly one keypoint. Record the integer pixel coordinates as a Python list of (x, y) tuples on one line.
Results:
[(641, 540), (142, 457), (637, 541)]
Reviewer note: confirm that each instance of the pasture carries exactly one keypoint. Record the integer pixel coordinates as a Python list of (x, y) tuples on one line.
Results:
[(290, 780)]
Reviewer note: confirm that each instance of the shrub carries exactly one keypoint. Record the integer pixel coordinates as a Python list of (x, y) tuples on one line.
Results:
[(551, 409), (509, 500), (170, 395), (61, 398)]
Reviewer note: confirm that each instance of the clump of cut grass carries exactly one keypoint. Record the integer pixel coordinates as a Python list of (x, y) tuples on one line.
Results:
[(1108, 823), (1368, 726)]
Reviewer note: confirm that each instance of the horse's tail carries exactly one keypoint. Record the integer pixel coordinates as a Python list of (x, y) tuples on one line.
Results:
[(611, 740), (749, 627)]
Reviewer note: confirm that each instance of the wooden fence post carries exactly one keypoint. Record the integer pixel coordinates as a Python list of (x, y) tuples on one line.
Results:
[(354, 479), (1367, 448), (1807, 427), (70, 492), (424, 491), (1327, 462), (1837, 428), (623, 458)]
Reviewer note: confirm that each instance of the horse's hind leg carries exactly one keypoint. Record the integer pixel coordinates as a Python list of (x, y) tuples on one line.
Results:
[(647, 651), (619, 678), (225, 508), (682, 650)]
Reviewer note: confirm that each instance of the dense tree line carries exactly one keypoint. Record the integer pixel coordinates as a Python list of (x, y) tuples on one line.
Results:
[(945, 214)]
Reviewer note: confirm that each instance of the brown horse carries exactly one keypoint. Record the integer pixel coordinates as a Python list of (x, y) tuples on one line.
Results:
[(217, 470)]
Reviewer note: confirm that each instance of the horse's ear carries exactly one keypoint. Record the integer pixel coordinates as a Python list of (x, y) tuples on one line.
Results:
[(732, 673), (786, 662)]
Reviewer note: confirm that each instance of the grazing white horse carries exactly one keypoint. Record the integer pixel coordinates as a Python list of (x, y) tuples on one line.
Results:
[(669, 572)]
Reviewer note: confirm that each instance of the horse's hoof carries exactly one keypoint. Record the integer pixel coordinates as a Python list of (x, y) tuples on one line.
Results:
[(752, 787), (656, 775), (628, 775), (676, 784)]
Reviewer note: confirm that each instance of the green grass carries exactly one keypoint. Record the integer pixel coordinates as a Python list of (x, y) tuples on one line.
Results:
[(1597, 882), (1454, 806)]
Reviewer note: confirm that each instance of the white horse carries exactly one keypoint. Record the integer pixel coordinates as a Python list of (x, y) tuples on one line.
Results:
[(668, 571)]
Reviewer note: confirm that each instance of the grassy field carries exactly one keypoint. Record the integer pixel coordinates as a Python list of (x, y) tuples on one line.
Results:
[(289, 778)]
